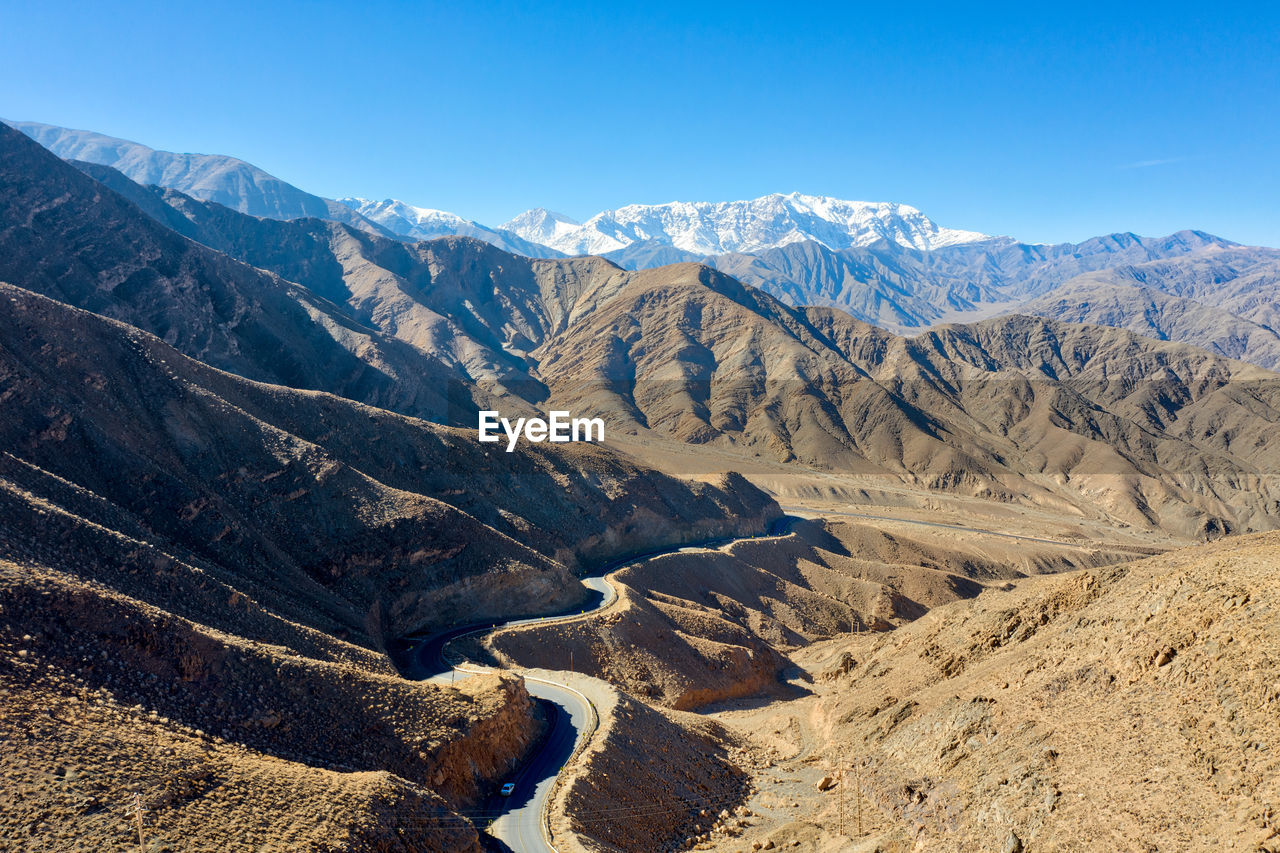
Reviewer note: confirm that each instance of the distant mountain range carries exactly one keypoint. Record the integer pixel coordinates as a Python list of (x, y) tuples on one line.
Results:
[(424, 223), (885, 264), (212, 177), (1014, 408), (714, 228)]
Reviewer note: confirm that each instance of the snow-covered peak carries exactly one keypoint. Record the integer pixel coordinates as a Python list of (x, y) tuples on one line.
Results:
[(420, 223), (542, 226), (715, 228), (426, 223)]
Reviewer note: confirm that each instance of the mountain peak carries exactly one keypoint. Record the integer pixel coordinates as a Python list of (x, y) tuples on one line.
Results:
[(390, 211), (714, 228), (543, 226)]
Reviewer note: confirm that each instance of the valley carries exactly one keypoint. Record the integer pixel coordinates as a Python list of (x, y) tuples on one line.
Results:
[(881, 535)]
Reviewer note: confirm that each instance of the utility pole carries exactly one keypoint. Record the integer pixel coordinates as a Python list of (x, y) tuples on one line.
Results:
[(137, 813), (858, 782), (571, 660), (840, 785)]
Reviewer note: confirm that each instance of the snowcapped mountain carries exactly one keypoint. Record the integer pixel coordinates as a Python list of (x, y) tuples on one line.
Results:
[(425, 223), (651, 234), (422, 223), (543, 226), (716, 228)]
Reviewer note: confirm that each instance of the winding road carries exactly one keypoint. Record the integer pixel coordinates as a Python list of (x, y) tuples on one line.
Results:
[(520, 820)]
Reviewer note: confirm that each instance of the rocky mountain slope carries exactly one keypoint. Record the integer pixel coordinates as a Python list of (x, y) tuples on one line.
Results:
[(647, 779), (464, 305), (68, 236), (902, 288), (705, 626), (1012, 409), (692, 354), (214, 177), (885, 264), (200, 572), (321, 489), (227, 743), (1223, 300), (1131, 707)]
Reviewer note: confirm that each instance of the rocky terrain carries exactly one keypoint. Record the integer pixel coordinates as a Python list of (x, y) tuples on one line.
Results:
[(1223, 300), (1132, 706), (1014, 409), (902, 287), (1011, 408), (707, 625), (228, 743), (885, 264), (71, 238), (200, 572), (215, 177), (647, 778), (238, 462), (294, 491)]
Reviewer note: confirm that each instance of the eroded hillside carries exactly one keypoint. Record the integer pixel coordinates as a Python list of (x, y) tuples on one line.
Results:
[(199, 579), (703, 626), (1131, 707)]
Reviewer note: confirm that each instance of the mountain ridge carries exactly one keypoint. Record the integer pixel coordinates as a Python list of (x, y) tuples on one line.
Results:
[(748, 225), (425, 223), (226, 180)]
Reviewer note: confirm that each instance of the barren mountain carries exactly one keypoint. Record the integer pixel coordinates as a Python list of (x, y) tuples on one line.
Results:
[(692, 354), (1100, 299), (228, 743), (885, 264), (900, 288), (67, 236), (238, 554), (297, 491), (1012, 409), (1223, 300), (209, 535), (214, 177), (1131, 708), (459, 302), (696, 628)]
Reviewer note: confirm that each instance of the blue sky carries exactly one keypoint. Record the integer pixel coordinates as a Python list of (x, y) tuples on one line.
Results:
[(1050, 123)]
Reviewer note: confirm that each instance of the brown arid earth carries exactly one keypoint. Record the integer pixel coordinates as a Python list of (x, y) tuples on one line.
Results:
[(1130, 707), (646, 776), (1157, 434), (238, 463), (227, 743), (200, 573), (709, 624)]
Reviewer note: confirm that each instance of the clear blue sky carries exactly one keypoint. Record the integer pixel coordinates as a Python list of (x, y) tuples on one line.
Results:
[(1049, 122)]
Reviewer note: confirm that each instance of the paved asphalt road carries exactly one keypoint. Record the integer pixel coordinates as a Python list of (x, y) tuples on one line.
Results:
[(521, 828), (519, 825)]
